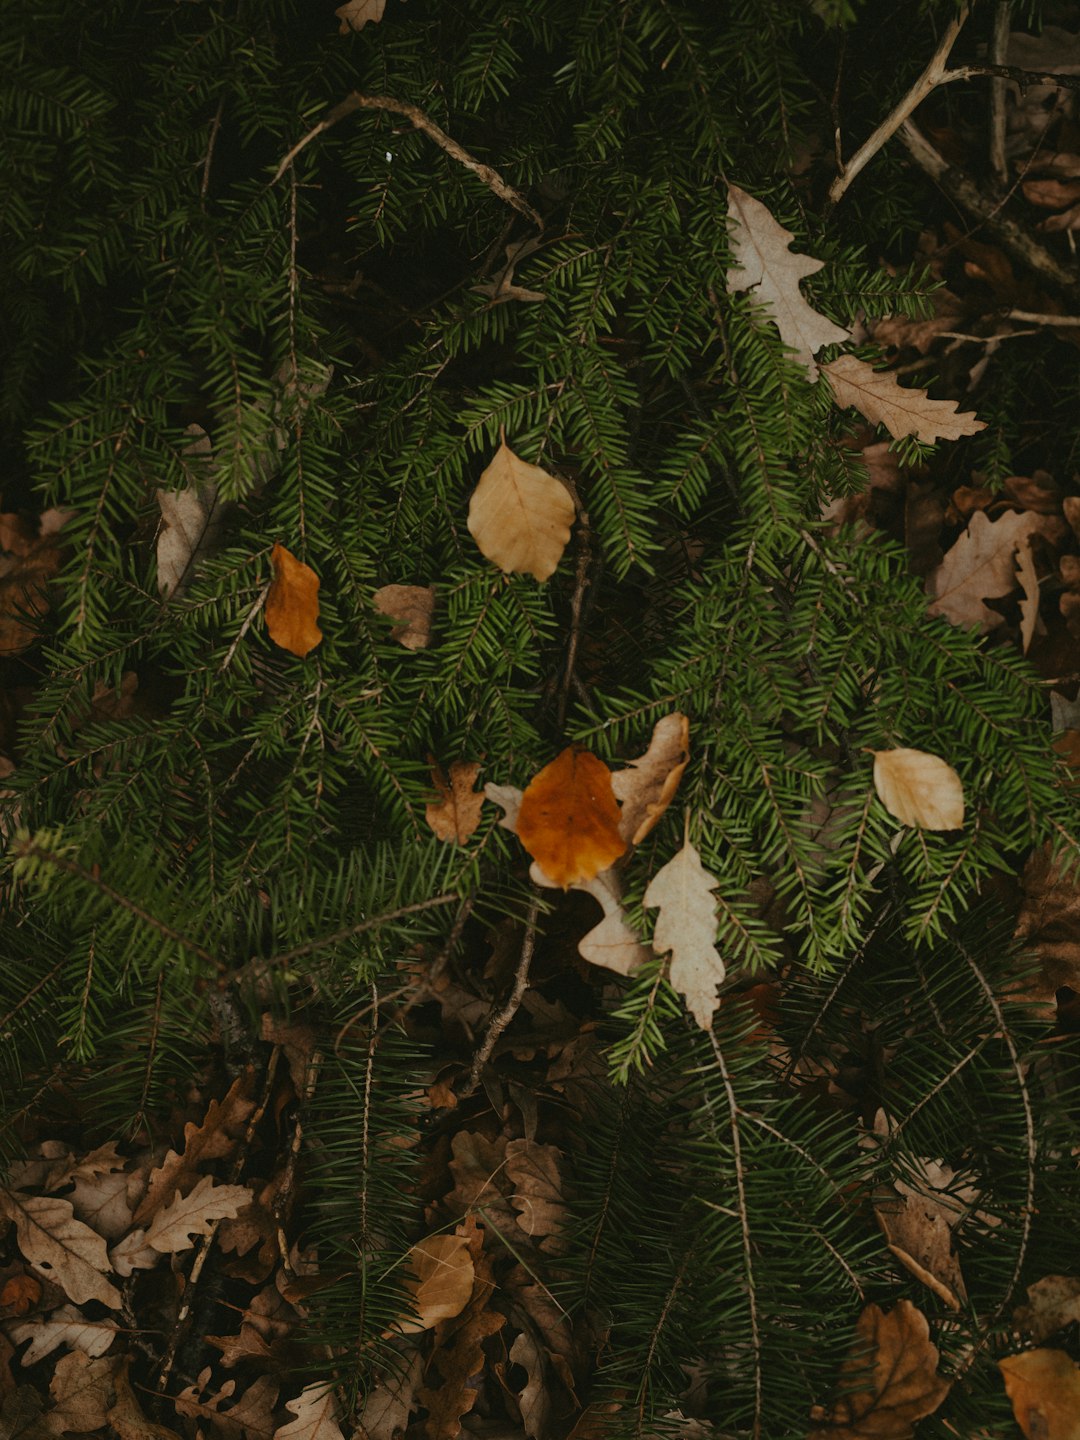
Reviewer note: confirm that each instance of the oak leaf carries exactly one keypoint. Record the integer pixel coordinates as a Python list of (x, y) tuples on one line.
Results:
[(569, 818), (611, 943), (883, 1401), (64, 1326), (355, 14), (760, 249), (647, 786), (456, 814), (441, 1283), (172, 1228), (520, 516), (981, 565), (919, 789), (126, 1415), (61, 1246), (879, 396), (533, 1170), (411, 608), (686, 925), (250, 1417), (214, 1138), (317, 1411), (81, 1388), (384, 1413), (1044, 1387), (292, 603)]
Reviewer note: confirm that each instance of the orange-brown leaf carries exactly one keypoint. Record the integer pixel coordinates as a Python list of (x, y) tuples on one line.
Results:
[(456, 814), (1044, 1387), (569, 818), (292, 606)]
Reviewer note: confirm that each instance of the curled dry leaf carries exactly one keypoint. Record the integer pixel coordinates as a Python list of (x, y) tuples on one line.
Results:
[(1044, 1387), (355, 14), (456, 814), (982, 566), (190, 518), (411, 607), (884, 1400), (686, 925), (1053, 1303), (292, 604), (520, 516), (611, 943), (762, 261), (647, 786), (919, 789), (569, 818), (65, 1249), (441, 1283), (879, 396)]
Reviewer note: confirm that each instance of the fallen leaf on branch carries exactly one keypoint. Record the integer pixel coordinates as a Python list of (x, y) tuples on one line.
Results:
[(215, 1138), (917, 1223), (174, 1228), (879, 396), (441, 1282), (1053, 1303), (1044, 1387), (60, 1246), (762, 261), (919, 789), (63, 1327), (569, 818), (686, 925), (292, 604), (647, 786), (251, 1417), (456, 814), (190, 518), (386, 1408), (412, 607), (884, 1399), (611, 943), (502, 288), (520, 516), (317, 1411), (355, 14), (981, 565)]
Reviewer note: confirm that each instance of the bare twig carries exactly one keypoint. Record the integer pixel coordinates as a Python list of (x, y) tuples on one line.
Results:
[(1034, 317), (285, 957), (1013, 72), (1012, 238), (284, 1194), (997, 50), (215, 126), (934, 75), (501, 1019), (416, 117), (577, 603)]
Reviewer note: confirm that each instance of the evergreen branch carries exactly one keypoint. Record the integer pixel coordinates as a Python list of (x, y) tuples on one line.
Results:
[(29, 850), (285, 957), (355, 101)]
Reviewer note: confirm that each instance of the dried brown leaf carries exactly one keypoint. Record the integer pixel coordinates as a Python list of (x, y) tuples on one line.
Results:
[(520, 516), (317, 1412), (292, 604), (355, 14), (569, 819), (81, 1387), (61, 1246), (647, 786), (919, 789), (456, 814), (1053, 1303), (441, 1282), (176, 1227), (126, 1416), (537, 1194), (889, 1381), (981, 565), (879, 396), (411, 607)]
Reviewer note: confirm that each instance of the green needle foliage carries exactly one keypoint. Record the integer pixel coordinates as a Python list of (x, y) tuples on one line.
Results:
[(252, 827)]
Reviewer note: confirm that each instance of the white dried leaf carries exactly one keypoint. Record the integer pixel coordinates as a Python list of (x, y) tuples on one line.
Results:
[(686, 925)]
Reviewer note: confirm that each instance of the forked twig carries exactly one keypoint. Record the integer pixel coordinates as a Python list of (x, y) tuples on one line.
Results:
[(501, 1019)]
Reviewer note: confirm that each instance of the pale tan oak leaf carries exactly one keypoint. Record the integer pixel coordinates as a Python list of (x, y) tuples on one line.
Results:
[(61, 1247), (81, 1388), (355, 14), (194, 1215), (520, 516), (885, 1393), (317, 1412), (879, 396), (249, 1417), (647, 786), (764, 263), (686, 926), (63, 1327), (981, 565), (919, 789)]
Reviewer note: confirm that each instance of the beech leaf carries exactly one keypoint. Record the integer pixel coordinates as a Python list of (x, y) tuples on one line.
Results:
[(292, 604), (1044, 1387), (411, 607), (879, 396), (441, 1282), (765, 263), (647, 786), (569, 818), (520, 516), (456, 814), (355, 14), (61, 1247), (919, 789), (190, 518), (686, 925), (884, 1401)]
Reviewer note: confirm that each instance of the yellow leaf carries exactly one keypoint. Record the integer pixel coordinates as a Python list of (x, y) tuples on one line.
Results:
[(520, 516), (292, 605), (456, 814), (441, 1282), (879, 396), (686, 925), (569, 819), (919, 789), (1044, 1387)]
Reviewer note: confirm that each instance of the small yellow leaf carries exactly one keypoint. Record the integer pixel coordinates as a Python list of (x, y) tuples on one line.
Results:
[(1044, 1387), (520, 516), (919, 789), (292, 605), (441, 1283)]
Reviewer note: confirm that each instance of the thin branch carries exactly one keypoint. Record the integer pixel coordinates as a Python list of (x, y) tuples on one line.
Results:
[(285, 957), (577, 603), (1012, 238), (1035, 317), (29, 850), (502, 1018), (420, 121), (245, 627), (934, 75), (997, 50), (215, 126), (1013, 72)]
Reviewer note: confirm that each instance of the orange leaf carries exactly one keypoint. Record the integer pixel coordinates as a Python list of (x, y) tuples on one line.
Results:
[(569, 818), (292, 606)]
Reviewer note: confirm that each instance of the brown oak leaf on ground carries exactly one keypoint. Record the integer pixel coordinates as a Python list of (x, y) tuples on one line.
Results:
[(215, 1139), (1053, 1303)]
